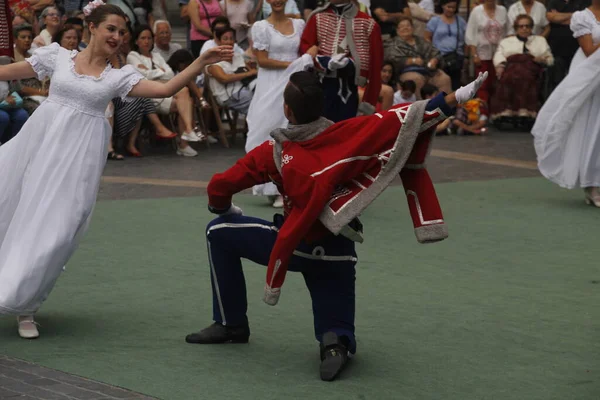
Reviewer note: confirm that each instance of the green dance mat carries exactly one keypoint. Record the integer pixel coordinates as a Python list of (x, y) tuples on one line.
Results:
[(507, 308)]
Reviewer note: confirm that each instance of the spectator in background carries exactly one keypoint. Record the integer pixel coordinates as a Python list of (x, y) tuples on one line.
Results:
[(23, 36), (420, 17), (155, 68), (12, 114), (406, 93), (67, 37), (219, 24), (291, 9), (39, 5), (519, 61), (51, 24), (241, 15), (202, 13), (561, 40), (535, 10), (162, 39), (226, 77), (387, 13), (310, 6), (143, 12), (447, 33), (416, 59), (76, 23), (388, 86), (487, 26)]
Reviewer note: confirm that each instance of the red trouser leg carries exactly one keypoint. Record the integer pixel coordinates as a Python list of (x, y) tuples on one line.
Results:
[(422, 199)]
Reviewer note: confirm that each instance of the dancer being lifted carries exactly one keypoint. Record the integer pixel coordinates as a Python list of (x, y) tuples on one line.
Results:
[(57, 159), (328, 174)]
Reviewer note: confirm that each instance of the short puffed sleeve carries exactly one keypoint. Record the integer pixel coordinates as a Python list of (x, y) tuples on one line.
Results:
[(129, 78), (580, 24), (43, 60), (260, 36)]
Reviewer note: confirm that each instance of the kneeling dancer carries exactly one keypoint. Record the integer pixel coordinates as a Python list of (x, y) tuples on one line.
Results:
[(328, 174)]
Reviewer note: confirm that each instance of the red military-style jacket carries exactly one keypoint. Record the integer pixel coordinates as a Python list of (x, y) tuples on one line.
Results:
[(328, 178), (329, 30)]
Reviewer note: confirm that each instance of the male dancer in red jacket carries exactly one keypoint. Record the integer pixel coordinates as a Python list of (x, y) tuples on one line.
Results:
[(327, 174)]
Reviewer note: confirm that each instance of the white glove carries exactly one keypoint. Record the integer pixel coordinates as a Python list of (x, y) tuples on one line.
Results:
[(338, 61), (3, 90), (466, 93), (233, 210)]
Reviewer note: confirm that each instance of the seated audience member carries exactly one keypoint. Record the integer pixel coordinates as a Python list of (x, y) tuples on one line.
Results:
[(231, 83), (388, 85), (12, 114), (23, 35), (162, 44), (470, 118), (76, 23), (67, 37), (241, 15), (519, 63), (51, 23), (219, 23), (536, 10), (179, 61), (406, 93), (155, 68), (416, 59)]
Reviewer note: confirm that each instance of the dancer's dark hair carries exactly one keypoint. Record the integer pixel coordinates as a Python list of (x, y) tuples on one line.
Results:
[(100, 13), (304, 96)]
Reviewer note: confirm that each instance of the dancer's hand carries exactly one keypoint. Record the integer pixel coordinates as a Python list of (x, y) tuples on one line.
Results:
[(466, 93), (216, 54)]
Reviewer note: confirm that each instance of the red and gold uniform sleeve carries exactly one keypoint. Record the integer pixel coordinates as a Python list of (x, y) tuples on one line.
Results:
[(309, 36), (373, 88), (253, 169)]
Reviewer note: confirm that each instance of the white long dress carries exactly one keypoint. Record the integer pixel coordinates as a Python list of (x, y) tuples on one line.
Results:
[(567, 129), (52, 171), (266, 110)]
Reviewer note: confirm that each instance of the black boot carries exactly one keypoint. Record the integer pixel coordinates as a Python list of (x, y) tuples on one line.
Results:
[(219, 333), (334, 356)]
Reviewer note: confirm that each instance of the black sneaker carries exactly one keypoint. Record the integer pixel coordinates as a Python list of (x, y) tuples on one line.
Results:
[(334, 356), (219, 333)]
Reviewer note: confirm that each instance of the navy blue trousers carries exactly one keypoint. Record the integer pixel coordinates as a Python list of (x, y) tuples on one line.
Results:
[(328, 268)]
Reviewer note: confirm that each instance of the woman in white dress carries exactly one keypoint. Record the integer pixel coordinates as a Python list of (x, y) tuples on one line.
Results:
[(57, 159), (275, 43), (567, 129)]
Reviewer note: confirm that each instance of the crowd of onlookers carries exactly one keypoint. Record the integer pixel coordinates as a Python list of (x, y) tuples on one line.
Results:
[(428, 46)]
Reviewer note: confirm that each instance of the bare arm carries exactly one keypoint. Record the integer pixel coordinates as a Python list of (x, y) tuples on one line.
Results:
[(16, 71), (39, 5), (263, 60), (428, 36), (196, 20), (217, 72), (587, 45), (153, 89)]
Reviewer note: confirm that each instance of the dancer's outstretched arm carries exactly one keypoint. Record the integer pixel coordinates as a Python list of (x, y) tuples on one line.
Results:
[(153, 89), (466, 93), (16, 71)]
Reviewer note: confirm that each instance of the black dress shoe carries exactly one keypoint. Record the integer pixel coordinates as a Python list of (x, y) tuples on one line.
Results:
[(219, 333), (334, 356)]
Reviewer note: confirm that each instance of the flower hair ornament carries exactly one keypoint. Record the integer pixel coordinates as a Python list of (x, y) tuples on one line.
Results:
[(87, 10)]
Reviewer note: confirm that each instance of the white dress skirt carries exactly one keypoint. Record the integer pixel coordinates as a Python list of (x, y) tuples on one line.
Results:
[(52, 171), (266, 110), (567, 129)]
